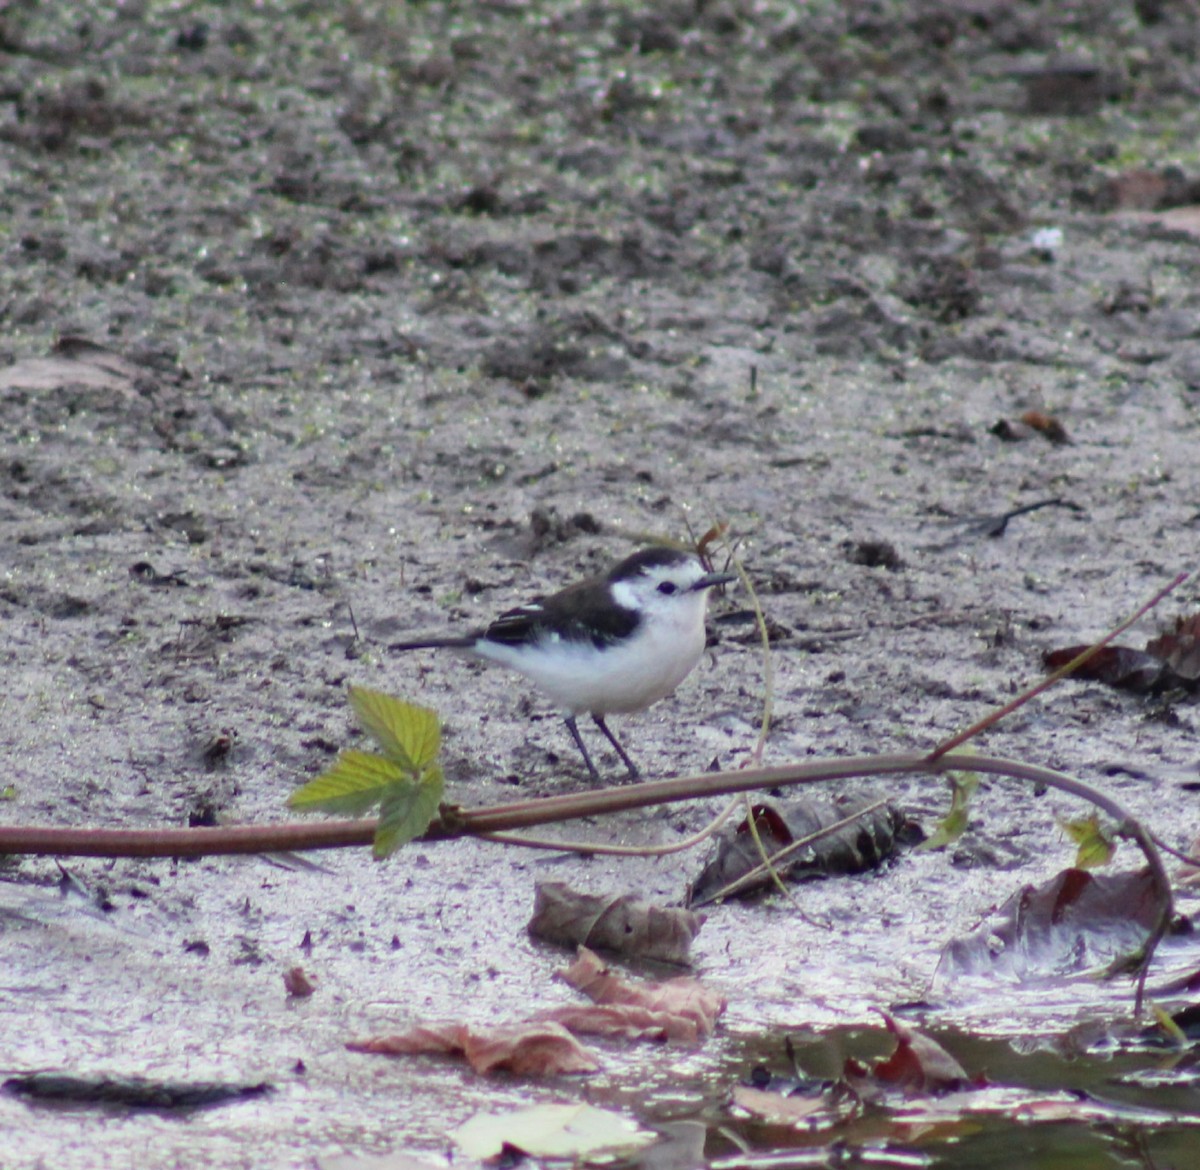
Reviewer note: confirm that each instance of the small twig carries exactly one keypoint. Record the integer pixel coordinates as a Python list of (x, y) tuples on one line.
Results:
[(760, 622), (1179, 855), (697, 838)]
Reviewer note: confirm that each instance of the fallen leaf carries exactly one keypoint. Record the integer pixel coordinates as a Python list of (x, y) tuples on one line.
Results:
[(683, 1007), (396, 1160), (868, 837), (625, 924), (565, 1132), (918, 1065), (1189, 874), (130, 1092), (297, 984), (78, 363), (1077, 921), (1170, 661), (800, 1110), (1175, 219), (627, 1022), (1096, 843), (1046, 425), (1118, 666), (963, 786), (537, 1048), (1180, 648)]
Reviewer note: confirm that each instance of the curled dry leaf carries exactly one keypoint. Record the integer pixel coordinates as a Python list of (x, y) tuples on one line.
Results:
[(627, 1022), (624, 923), (1180, 648), (1170, 661), (680, 1009), (1031, 423), (865, 842), (1046, 425), (1118, 666), (536, 1049)]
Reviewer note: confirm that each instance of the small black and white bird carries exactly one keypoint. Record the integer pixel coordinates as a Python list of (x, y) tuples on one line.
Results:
[(608, 645)]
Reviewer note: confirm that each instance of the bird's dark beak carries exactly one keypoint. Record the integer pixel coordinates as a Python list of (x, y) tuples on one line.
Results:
[(711, 579)]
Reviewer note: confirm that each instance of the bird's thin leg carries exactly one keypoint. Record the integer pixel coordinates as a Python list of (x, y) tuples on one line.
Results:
[(634, 774), (573, 728)]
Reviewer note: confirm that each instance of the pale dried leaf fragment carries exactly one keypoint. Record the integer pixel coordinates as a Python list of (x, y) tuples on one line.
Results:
[(683, 1008), (534, 1049), (626, 1022), (568, 1132), (803, 1112)]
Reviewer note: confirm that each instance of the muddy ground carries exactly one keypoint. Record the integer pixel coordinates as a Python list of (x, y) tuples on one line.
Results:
[(424, 309)]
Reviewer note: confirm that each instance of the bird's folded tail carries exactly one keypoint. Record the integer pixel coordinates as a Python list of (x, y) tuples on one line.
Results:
[(437, 643)]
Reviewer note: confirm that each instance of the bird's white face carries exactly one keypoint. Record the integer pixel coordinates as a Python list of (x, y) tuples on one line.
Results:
[(665, 593)]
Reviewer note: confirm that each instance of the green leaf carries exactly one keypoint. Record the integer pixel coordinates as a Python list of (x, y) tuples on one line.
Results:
[(1175, 1035), (954, 824), (352, 787), (408, 734), (1095, 844), (407, 808)]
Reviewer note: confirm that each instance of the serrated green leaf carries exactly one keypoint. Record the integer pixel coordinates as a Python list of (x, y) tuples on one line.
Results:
[(407, 809), (954, 824), (1095, 845), (352, 787), (408, 734)]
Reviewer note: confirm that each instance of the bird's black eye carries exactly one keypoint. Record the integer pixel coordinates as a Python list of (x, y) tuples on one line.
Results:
[(668, 587)]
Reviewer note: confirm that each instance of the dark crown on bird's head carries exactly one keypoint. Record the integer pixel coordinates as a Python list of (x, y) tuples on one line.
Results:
[(657, 557)]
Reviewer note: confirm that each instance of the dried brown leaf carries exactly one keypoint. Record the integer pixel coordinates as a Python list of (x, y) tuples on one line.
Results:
[(804, 1112), (682, 1006), (621, 923), (1180, 648), (919, 1065), (297, 983), (1076, 921), (533, 1049), (1118, 666)]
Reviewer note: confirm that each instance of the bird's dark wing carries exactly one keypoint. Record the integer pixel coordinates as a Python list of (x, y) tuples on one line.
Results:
[(580, 613)]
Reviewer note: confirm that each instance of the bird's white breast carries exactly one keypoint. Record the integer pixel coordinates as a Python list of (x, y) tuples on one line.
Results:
[(619, 677)]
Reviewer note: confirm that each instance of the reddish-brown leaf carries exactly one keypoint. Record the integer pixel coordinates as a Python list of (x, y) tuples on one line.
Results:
[(918, 1065), (298, 985), (1047, 426), (1118, 666), (682, 1006)]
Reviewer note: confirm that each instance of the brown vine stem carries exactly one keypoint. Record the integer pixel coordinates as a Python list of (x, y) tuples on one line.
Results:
[(454, 822)]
